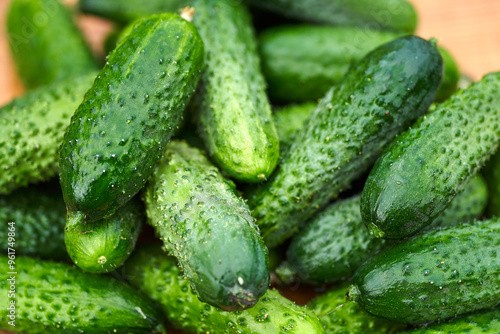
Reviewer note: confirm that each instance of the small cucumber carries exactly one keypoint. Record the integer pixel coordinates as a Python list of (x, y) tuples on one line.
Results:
[(378, 98), (45, 43), (339, 316), (289, 121), (119, 131), (396, 15), (433, 276), (33, 127), (233, 112), (418, 177), (104, 245), (39, 215), (201, 221), (451, 76), (492, 174), (49, 297), (158, 276), (302, 62)]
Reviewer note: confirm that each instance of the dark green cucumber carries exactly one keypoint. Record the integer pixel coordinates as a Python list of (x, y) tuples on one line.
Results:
[(378, 98), (207, 228), (396, 15), (119, 131), (339, 316), (45, 43), (39, 215), (104, 245), (158, 276), (433, 276), (451, 76), (415, 180), (33, 126), (289, 121), (485, 322), (335, 242), (125, 11), (233, 112), (302, 62), (50, 297), (492, 174)]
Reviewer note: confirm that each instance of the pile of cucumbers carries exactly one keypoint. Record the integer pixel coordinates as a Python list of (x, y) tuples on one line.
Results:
[(264, 144)]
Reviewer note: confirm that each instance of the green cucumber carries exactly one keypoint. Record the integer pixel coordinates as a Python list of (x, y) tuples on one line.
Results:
[(339, 316), (201, 221), (158, 276), (48, 297), (451, 76), (418, 177), (485, 322), (33, 127), (302, 62), (289, 121), (104, 245), (39, 215), (125, 11), (433, 276), (378, 98), (45, 42), (232, 109), (396, 15), (492, 174), (118, 133), (335, 242)]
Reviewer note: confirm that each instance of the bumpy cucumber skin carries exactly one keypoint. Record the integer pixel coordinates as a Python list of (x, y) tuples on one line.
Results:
[(485, 322), (33, 126), (339, 316), (45, 42), (39, 215), (433, 276), (158, 276), (418, 177), (130, 10), (347, 132), (492, 174), (104, 245), (451, 76), (289, 121), (398, 15), (57, 298), (233, 112), (119, 131), (302, 62), (201, 221)]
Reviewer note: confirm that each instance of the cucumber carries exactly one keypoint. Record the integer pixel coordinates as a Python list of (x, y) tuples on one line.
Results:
[(125, 11), (39, 215), (492, 174), (451, 76), (231, 106), (158, 276), (415, 180), (335, 242), (433, 276), (51, 297), (485, 322), (396, 15), (339, 316), (118, 133), (379, 97), (104, 245), (302, 62), (45, 43), (201, 221), (33, 128), (289, 121)]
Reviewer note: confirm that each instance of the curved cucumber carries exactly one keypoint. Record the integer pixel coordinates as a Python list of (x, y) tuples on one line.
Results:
[(397, 15), (159, 277), (418, 177), (433, 276), (451, 76), (232, 108), (104, 245), (119, 131), (208, 229), (289, 121), (379, 97), (33, 127), (45, 43), (57, 298), (339, 316)]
